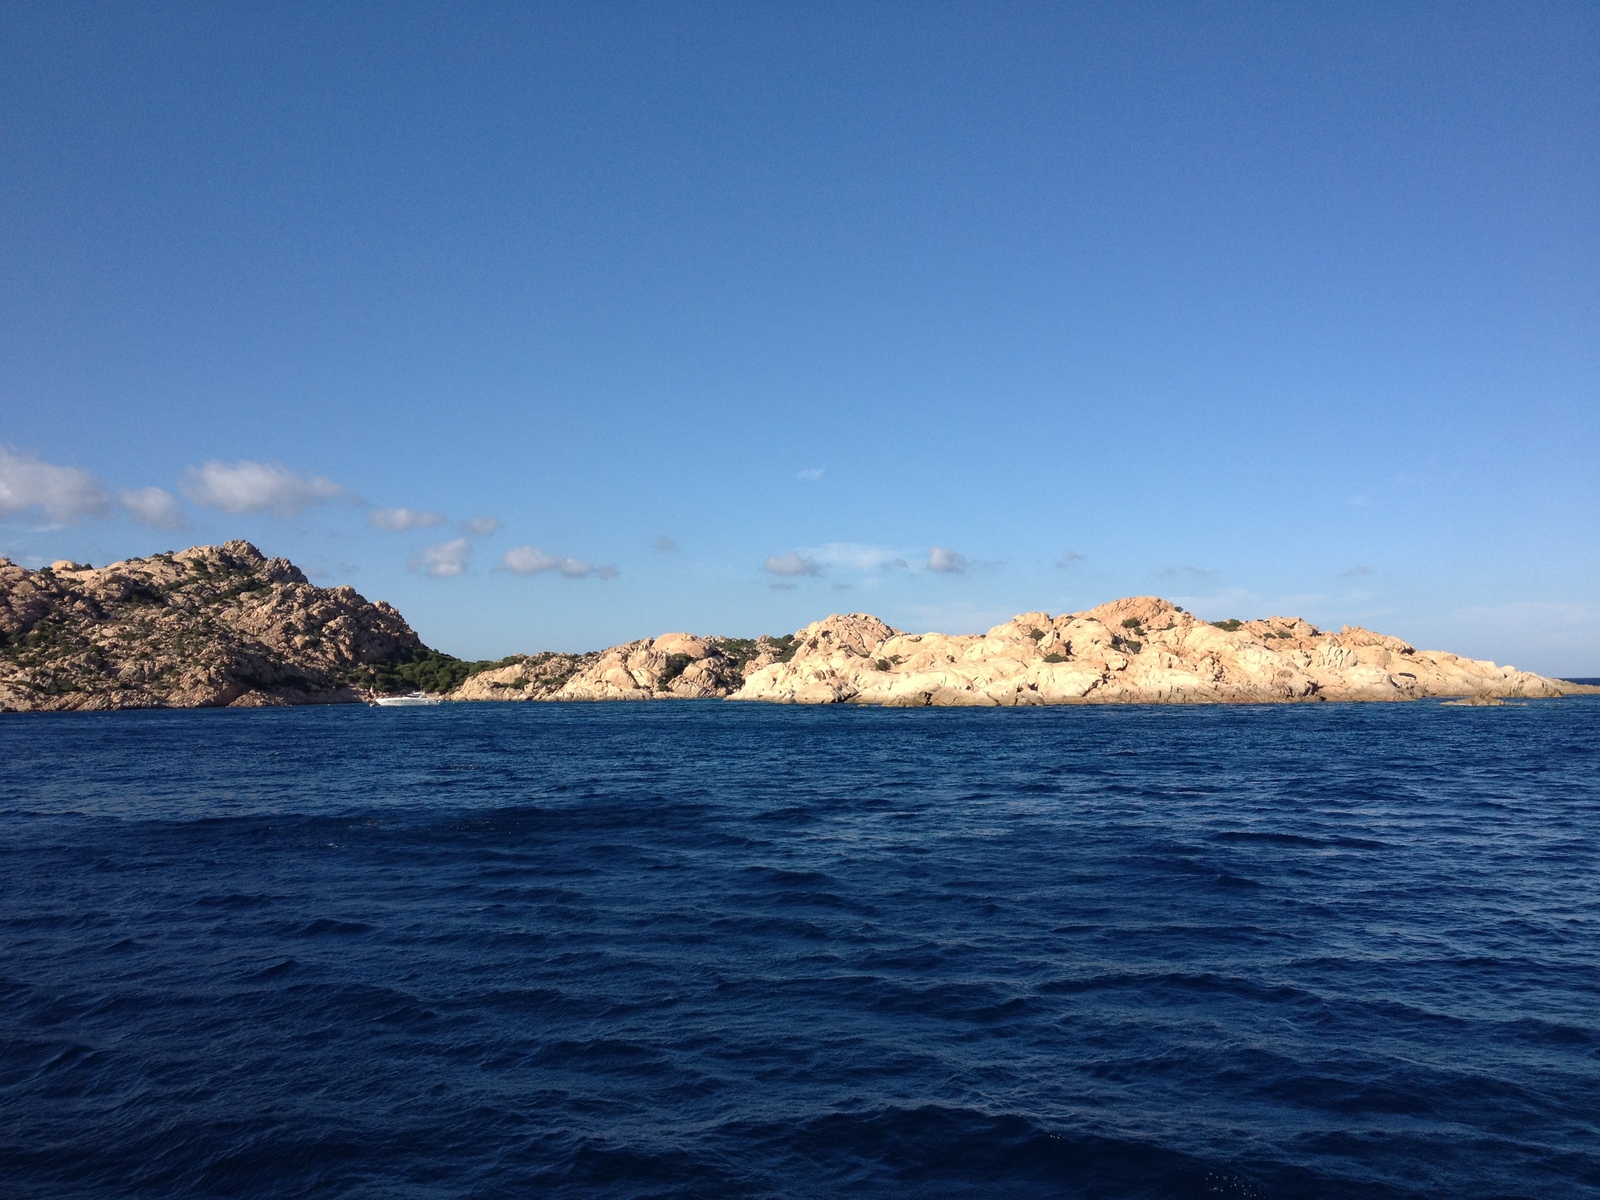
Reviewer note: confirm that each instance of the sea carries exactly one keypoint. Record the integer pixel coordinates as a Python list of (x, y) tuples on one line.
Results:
[(702, 949)]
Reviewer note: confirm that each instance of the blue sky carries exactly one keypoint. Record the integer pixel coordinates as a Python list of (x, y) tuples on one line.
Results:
[(725, 317)]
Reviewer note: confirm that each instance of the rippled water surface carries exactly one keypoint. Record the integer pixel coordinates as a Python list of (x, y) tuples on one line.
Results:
[(704, 949)]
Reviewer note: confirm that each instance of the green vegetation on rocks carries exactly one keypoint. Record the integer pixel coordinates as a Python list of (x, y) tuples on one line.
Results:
[(431, 671), (210, 626)]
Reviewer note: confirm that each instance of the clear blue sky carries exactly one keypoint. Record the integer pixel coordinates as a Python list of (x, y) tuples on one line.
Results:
[(737, 315)]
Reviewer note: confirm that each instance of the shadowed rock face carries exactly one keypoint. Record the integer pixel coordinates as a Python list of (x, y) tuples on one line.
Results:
[(1140, 650), (209, 626)]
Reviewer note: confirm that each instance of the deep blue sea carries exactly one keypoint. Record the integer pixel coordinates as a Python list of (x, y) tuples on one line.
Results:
[(698, 949)]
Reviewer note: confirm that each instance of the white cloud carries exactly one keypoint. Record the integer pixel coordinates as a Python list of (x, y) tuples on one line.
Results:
[(480, 526), (847, 556), (811, 474), (941, 558), (63, 494), (855, 557), (397, 520), (445, 560), (791, 564), (153, 506), (530, 560), (248, 487)]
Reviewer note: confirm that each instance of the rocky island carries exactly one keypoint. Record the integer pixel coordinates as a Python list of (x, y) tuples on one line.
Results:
[(1140, 650), (226, 626), (204, 627)]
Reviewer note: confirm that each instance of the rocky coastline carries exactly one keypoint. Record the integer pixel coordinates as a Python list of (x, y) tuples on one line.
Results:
[(212, 626), (218, 626)]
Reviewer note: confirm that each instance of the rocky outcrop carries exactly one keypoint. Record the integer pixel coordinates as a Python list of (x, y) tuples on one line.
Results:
[(209, 626), (679, 666), (530, 677), (1141, 650), (224, 625)]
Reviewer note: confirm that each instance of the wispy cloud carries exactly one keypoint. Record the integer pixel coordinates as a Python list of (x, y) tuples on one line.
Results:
[(1070, 557), (64, 495), (398, 520), (1358, 569), (811, 474), (444, 561), (791, 564), (1186, 571), (666, 545), (530, 560), (853, 556), (153, 506), (252, 487), (832, 556), (480, 526), (783, 587), (947, 561)]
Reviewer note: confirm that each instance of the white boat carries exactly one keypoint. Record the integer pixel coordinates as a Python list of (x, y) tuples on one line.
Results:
[(407, 701)]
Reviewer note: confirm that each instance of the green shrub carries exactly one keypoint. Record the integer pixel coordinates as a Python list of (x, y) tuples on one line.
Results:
[(1132, 623), (739, 651), (424, 671), (1231, 625), (486, 664), (1036, 634), (1055, 658), (675, 665)]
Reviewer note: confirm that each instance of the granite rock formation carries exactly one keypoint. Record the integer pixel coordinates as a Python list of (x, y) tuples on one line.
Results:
[(224, 625), (1140, 650), (673, 666), (205, 627)]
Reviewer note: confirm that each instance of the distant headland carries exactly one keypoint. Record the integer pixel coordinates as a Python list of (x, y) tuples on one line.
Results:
[(217, 626)]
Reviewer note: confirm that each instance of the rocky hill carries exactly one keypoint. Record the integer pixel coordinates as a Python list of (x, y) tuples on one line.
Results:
[(1140, 650), (224, 625), (673, 666), (209, 626)]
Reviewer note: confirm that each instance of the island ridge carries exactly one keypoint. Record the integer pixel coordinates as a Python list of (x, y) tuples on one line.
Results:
[(224, 625)]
